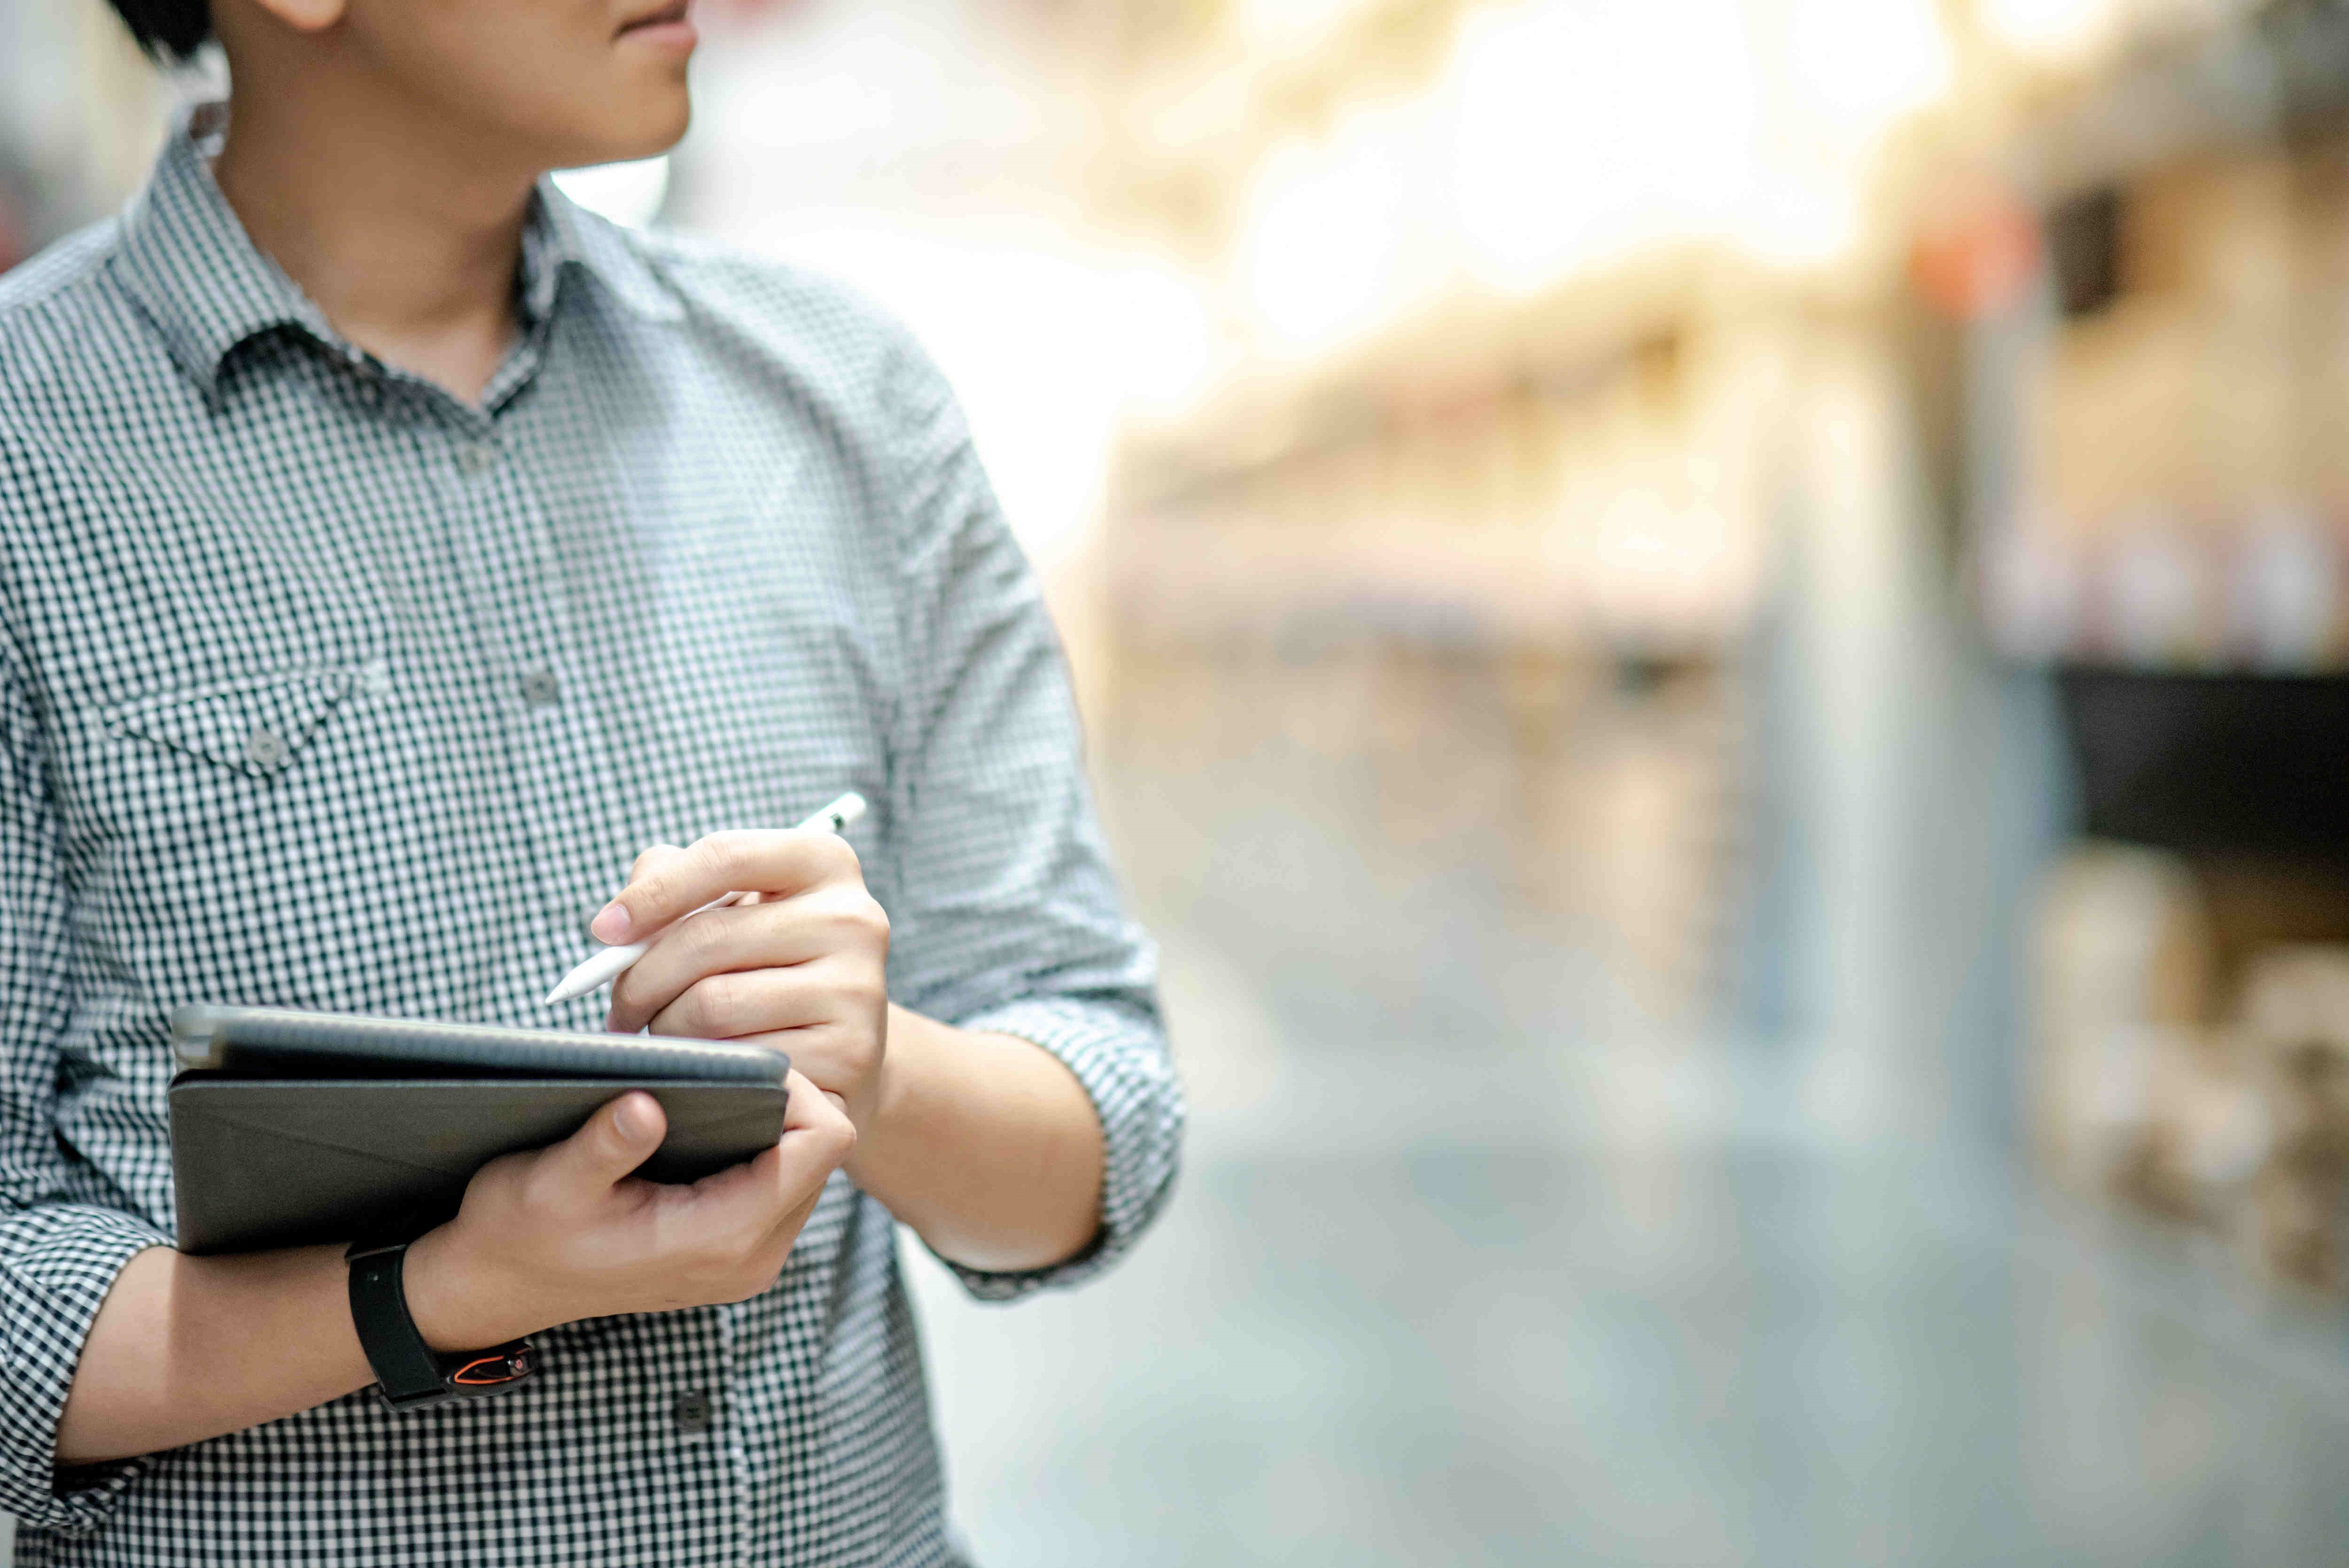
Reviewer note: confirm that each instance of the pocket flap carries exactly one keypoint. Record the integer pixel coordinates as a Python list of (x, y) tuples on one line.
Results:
[(256, 726)]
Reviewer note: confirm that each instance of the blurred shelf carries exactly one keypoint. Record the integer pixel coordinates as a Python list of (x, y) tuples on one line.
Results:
[(1587, 468), (1464, 351), (2212, 764), (2263, 595), (2283, 69), (2162, 482)]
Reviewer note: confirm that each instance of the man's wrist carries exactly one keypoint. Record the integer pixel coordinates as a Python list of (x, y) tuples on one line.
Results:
[(451, 1305), (909, 1055), (985, 1143)]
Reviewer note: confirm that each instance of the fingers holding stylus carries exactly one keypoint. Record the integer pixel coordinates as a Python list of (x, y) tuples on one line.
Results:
[(662, 889), (804, 969), (665, 886), (653, 855), (732, 973)]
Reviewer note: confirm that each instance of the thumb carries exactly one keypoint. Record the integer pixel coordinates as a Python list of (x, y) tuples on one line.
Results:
[(616, 1140)]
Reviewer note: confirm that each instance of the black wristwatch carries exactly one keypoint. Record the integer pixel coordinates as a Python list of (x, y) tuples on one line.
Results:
[(410, 1374)]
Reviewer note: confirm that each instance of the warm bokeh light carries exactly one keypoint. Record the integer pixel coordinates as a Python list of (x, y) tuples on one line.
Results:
[(1866, 63), (1579, 133), (1328, 232), (2052, 28), (1562, 135), (1284, 26)]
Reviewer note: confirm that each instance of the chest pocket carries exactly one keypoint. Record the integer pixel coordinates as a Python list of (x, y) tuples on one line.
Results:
[(256, 726)]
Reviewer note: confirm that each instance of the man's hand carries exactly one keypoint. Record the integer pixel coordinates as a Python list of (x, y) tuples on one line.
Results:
[(187, 1348), (801, 965), (985, 1144), (566, 1232)]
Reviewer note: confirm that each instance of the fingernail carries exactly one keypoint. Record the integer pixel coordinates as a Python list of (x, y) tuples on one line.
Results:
[(841, 1104), (611, 924), (629, 1119)]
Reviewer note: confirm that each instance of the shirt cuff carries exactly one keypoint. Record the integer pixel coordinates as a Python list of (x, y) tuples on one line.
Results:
[(57, 1263), (1119, 1054)]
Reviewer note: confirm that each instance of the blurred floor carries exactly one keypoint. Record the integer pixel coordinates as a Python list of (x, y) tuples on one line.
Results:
[(1467, 1270)]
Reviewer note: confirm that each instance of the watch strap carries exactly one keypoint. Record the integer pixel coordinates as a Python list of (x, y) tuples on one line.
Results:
[(408, 1372)]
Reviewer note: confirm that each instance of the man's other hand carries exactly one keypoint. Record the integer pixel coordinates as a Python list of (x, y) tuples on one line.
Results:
[(801, 964)]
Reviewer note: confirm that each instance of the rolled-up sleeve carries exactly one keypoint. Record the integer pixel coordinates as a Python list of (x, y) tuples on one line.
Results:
[(1007, 917), (60, 1247)]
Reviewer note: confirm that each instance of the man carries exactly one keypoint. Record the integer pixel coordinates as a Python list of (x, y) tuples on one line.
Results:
[(388, 552)]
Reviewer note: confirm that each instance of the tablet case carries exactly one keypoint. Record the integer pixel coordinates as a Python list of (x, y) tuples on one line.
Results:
[(296, 1146), (337, 1045)]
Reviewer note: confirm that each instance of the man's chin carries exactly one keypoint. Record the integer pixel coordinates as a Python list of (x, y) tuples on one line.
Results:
[(658, 124)]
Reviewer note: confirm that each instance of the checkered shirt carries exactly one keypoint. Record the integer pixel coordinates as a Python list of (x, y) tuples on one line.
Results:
[(320, 688)]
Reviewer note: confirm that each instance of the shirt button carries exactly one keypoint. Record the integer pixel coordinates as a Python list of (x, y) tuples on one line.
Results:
[(264, 749), (695, 1412), (541, 688), (477, 457)]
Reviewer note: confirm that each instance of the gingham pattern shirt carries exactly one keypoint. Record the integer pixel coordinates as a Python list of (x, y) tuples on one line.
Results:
[(318, 687)]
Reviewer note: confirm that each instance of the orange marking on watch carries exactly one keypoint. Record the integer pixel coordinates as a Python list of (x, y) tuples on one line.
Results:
[(463, 1373)]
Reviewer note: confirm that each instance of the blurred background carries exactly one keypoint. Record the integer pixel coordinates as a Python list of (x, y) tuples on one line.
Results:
[(1714, 634)]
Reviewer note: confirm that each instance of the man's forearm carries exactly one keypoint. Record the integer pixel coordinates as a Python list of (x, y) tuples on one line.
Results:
[(187, 1348), (985, 1144)]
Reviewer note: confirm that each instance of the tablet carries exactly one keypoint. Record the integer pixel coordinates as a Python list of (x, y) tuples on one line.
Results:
[(278, 1040), (292, 1128)]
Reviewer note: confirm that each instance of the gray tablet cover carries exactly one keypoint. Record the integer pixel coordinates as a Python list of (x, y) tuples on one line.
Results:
[(286, 1148), (293, 1043)]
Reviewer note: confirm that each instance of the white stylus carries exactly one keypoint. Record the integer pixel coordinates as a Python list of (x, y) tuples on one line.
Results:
[(614, 962)]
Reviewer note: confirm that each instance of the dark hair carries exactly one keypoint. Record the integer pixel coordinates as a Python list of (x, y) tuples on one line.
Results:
[(168, 29)]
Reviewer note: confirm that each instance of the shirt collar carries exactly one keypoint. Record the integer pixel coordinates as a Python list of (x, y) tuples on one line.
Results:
[(561, 234), (186, 257)]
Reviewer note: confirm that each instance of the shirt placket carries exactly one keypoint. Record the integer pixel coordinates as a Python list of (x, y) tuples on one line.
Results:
[(560, 761), (526, 654)]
